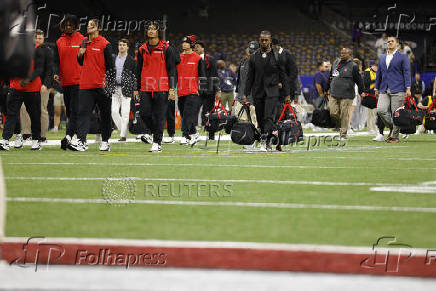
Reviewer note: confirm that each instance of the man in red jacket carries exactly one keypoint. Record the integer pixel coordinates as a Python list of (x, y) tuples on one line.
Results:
[(68, 72), (27, 90), (189, 70), (95, 57), (157, 78)]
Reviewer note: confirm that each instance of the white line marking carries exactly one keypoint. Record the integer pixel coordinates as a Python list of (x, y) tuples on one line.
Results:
[(203, 165), (286, 182), (229, 204), (406, 189)]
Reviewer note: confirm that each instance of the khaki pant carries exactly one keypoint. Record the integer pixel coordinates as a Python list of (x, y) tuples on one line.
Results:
[(386, 106), (244, 116), (372, 117), (340, 112), (227, 99), (25, 119)]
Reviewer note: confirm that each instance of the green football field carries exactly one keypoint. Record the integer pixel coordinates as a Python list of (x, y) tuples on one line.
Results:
[(349, 195)]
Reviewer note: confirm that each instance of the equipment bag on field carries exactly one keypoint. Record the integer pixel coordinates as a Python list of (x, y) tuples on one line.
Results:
[(321, 117), (430, 117), (244, 132), (408, 116), (288, 128), (369, 101), (216, 119), (136, 124)]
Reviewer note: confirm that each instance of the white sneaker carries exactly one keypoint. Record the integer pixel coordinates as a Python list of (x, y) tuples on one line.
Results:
[(104, 146), (379, 137), (146, 138), (248, 147), (263, 146), (155, 148), (4, 145), (168, 139), (79, 147), (421, 129), (183, 141), (350, 131), (193, 140), (405, 136), (18, 142), (36, 146)]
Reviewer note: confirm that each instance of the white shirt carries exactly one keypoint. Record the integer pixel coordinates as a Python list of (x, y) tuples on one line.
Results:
[(381, 46), (389, 58)]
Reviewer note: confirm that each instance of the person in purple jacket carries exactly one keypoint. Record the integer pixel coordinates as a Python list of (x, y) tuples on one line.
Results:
[(227, 84), (391, 85)]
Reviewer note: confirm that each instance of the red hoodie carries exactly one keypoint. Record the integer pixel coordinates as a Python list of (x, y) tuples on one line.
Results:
[(93, 74), (154, 75), (68, 48), (187, 72)]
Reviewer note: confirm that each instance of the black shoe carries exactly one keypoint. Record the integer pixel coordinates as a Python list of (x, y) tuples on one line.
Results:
[(212, 137), (42, 139), (26, 136), (64, 143)]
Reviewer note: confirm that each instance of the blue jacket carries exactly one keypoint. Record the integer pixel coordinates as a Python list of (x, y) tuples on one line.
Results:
[(396, 77), (227, 80)]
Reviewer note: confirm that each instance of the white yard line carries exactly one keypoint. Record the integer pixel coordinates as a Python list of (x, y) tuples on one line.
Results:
[(204, 165), (286, 182), (228, 204)]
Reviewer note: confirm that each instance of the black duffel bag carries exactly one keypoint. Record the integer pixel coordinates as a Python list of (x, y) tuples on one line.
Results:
[(430, 117), (216, 119), (288, 130), (408, 115), (136, 124), (244, 132), (321, 117), (369, 101)]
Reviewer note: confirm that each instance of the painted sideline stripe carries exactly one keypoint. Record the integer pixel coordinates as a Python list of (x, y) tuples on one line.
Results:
[(205, 165), (286, 182), (211, 244), (228, 204)]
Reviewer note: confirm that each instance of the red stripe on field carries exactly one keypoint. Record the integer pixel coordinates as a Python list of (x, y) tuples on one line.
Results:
[(384, 263)]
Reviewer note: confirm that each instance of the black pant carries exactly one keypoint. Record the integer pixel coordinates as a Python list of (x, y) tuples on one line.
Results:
[(87, 99), (265, 113), (171, 117), (380, 124), (15, 99), (188, 107), (153, 108), (71, 100), (207, 101)]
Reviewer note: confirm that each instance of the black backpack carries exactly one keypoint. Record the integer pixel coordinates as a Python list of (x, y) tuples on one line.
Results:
[(216, 119), (288, 128), (244, 132)]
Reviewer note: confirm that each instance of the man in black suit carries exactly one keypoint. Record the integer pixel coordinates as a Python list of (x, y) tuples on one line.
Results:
[(266, 76), (125, 80)]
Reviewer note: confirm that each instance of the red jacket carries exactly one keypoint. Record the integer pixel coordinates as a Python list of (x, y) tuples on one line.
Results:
[(93, 74), (68, 47), (188, 74), (154, 75), (34, 86)]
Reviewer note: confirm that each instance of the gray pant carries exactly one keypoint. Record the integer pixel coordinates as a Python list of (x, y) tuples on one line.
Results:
[(386, 106)]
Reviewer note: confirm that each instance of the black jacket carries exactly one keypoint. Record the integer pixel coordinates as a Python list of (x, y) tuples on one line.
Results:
[(128, 76), (264, 75), (212, 84), (290, 65), (48, 70)]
